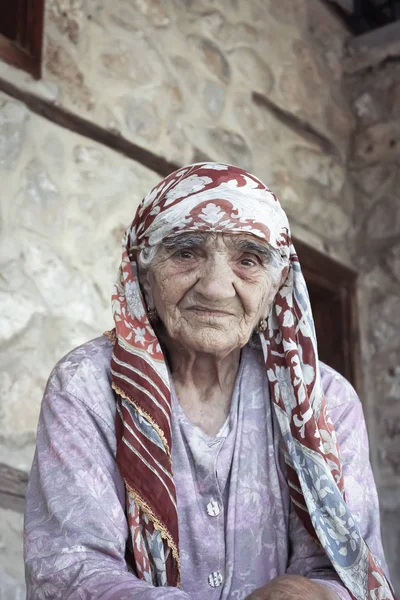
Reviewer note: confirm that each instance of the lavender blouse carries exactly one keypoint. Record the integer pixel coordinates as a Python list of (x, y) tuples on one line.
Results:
[(236, 524)]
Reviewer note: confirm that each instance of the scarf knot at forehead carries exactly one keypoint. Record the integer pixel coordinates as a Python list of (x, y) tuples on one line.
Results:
[(214, 197), (210, 197)]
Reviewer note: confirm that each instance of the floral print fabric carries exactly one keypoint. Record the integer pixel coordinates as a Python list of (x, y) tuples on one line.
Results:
[(76, 526)]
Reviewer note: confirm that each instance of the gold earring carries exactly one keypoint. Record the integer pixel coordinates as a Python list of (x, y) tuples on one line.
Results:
[(153, 316), (262, 326)]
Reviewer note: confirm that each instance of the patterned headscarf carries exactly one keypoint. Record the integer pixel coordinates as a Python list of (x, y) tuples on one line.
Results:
[(214, 197)]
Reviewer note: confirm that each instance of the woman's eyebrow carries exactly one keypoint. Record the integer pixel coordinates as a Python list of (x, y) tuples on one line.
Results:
[(184, 240), (250, 246)]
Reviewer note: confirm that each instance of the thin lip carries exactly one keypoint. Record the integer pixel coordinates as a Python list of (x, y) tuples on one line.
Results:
[(210, 311)]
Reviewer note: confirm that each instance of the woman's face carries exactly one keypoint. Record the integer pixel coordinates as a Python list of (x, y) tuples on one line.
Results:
[(211, 290)]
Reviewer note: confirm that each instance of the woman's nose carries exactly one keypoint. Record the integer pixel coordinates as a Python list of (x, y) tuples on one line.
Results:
[(216, 281)]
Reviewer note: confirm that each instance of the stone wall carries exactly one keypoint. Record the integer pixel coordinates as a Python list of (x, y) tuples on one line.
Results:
[(374, 168), (65, 203), (255, 83)]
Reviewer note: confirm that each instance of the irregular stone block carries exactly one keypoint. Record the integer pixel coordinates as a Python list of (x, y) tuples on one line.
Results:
[(125, 19), (288, 12), (142, 119), (11, 561), (376, 143), (374, 181), (231, 145), (169, 99), (210, 23), (385, 317), (69, 16), (393, 262), (117, 62), (12, 320), (384, 218), (213, 58), (391, 536), (53, 148), (365, 108), (322, 168), (256, 72), (89, 155), (13, 116), (186, 74), (154, 10), (40, 197), (309, 203), (239, 35), (25, 368), (61, 66), (11, 588), (214, 99)]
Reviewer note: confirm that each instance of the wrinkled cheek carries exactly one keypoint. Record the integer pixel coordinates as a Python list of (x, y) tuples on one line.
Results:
[(259, 303), (245, 327), (172, 320)]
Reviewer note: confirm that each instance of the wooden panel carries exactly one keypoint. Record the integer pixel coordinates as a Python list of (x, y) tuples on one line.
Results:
[(12, 55), (21, 34), (9, 18), (327, 313), (332, 290), (329, 270)]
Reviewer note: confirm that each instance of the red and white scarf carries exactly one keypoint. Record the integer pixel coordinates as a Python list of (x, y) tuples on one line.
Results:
[(214, 197)]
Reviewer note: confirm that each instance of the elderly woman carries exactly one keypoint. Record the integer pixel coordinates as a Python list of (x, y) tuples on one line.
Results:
[(201, 450)]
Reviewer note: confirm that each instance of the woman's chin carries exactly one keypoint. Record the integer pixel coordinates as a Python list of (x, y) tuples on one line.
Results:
[(209, 340)]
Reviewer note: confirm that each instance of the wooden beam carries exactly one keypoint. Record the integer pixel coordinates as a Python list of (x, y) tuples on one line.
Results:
[(331, 271), (298, 126), (13, 483), (88, 129), (15, 56)]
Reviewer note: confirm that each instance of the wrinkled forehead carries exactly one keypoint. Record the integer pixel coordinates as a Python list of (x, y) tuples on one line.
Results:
[(212, 239), (219, 243), (210, 197)]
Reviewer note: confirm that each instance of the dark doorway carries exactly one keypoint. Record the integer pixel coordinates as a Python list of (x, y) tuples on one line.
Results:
[(362, 16), (332, 290)]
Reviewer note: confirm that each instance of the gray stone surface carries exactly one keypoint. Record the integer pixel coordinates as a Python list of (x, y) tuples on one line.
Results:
[(212, 57), (59, 251), (12, 120), (214, 99), (231, 146), (371, 48), (12, 585), (253, 69), (374, 165), (141, 119), (11, 588), (167, 57)]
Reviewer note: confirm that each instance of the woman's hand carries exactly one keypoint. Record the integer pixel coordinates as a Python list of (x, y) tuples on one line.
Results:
[(293, 587)]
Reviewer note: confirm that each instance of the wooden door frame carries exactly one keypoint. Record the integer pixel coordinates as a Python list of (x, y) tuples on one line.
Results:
[(26, 51), (331, 275)]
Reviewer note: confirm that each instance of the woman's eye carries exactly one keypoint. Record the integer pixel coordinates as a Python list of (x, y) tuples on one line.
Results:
[(185, 254), (249, 261)]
